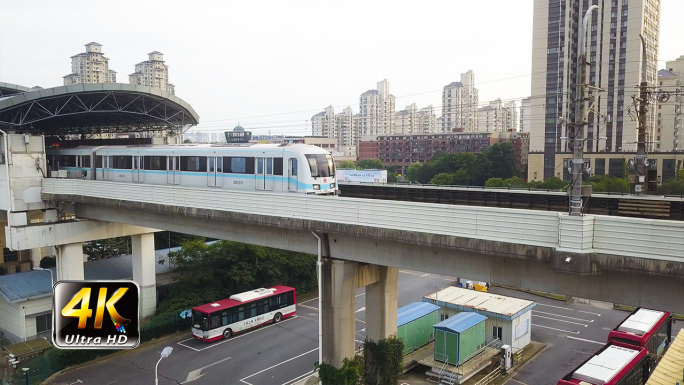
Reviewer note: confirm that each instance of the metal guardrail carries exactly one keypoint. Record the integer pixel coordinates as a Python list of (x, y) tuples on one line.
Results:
[(491, 377)]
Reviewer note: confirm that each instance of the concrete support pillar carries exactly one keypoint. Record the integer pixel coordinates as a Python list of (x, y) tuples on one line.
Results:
[(36, 256), (381, 304), (70, 262), (338, 316), (144, 272)]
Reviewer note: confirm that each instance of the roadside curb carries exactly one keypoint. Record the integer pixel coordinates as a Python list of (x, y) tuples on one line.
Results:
[(105, 358), (554, 297)]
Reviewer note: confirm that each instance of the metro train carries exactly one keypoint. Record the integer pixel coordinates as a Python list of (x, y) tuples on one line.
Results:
[(286, 167)]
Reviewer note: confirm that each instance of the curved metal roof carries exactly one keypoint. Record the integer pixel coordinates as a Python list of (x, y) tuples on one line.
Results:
[(99, 107), (7, 89)]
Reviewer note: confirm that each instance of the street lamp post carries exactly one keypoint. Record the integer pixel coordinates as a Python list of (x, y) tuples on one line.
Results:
[(52, 279), (165, 353)]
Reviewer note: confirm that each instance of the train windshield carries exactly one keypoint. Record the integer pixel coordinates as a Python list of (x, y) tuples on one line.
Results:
[(321, 165)]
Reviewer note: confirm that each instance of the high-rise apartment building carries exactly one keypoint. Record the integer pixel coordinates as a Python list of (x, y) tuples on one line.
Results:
[(459, 105), (376, 109), (152, 73), (323, 123), (345, 128), (90, 66), (669, 114), (415, 121), (525, 119), (614, 51), (498, 117)]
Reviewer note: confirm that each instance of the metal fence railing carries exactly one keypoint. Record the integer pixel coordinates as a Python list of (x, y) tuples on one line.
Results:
[(53, 360)]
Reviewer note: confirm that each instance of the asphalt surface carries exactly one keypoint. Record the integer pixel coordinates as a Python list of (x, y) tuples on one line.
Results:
[(283, 353)]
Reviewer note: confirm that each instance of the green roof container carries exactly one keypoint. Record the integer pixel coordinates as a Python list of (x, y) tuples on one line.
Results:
[(459, 338)]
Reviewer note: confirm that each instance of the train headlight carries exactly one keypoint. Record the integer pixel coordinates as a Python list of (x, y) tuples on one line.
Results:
[(332, 185), (317, 187)]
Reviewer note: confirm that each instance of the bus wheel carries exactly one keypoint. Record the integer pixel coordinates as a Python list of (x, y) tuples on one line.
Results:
[(278, 317), (227, 334)]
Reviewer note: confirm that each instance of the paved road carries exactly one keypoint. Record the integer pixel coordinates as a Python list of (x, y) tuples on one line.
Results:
[(272, 355), (282, 353)]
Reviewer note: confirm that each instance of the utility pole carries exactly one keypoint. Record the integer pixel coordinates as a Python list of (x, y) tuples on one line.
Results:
[(640, 160), (581, 116)]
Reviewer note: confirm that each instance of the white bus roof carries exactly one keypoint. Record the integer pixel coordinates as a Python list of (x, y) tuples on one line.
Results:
[(605, 366), (252, 294), (641, 321)]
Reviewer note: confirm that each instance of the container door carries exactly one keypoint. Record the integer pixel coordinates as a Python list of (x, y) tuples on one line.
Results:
[(293, 182), (260, 175)]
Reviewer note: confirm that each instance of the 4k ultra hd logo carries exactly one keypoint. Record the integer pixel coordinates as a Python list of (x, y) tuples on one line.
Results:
[(96, 315)]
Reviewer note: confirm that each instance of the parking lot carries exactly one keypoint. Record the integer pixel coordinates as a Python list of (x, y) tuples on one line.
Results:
[(283, 353)]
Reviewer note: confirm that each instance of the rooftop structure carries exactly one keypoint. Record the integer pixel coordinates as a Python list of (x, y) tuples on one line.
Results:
[(671, 365), (604, 366), (641, 321), (488, 304)]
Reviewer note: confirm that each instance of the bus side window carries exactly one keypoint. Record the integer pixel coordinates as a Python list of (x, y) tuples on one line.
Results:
[(290, 298), (215, 321), (224, 317)]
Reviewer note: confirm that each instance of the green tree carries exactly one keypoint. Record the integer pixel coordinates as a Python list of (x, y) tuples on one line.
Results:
[(502, 158), (442, 179), (368, 164), (107, 248), (515, 182), (350, 373), (383, 361), (347, 164), (553, 183), (495, 182), (168, 239), (673, 186), (187, 141), (208, 272), (607, 183), (413, 171)]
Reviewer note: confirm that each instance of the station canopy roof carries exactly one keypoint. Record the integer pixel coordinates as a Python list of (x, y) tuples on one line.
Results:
[(92, 108), (7, 89)]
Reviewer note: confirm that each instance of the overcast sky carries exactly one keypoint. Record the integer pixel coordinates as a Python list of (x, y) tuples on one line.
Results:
[(271, 65)]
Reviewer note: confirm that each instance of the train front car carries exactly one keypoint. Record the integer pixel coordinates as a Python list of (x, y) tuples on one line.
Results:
[(319, 172)]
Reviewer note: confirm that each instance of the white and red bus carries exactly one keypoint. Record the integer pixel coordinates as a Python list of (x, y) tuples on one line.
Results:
[(241, 312), (614, 364), (650, 329)]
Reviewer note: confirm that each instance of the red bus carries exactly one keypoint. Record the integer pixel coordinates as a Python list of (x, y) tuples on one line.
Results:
[(615, 364), (241, 312), (650, 329)]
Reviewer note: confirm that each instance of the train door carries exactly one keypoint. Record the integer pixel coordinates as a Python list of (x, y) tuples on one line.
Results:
[(264, 174), (138, 175), (214, 171), (173, 169), (106, 167), (292, 179)]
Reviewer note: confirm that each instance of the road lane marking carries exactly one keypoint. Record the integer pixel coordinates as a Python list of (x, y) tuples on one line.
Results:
[(410, 272), (361, 321), (308, 300), (312, 319), (582, 339), (425, 275), (232, 338), (362, 309), (271, 367), (358, 295), (308, 307), (196, 374), (564, 316), (560, 330), (567, 308), (560, 320), (292, 381)]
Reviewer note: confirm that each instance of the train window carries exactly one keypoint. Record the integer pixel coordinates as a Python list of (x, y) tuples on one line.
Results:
[(98, 161), (238, 165), (193, 163), (293, 172), (122, 162), (219, 164), (68, 160), (277, 166), (154, 163), (85, 162), (269, 166), (249, 165)]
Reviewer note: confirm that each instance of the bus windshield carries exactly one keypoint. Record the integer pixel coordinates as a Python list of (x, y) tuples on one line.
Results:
[(200, 320), (321, 165)]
